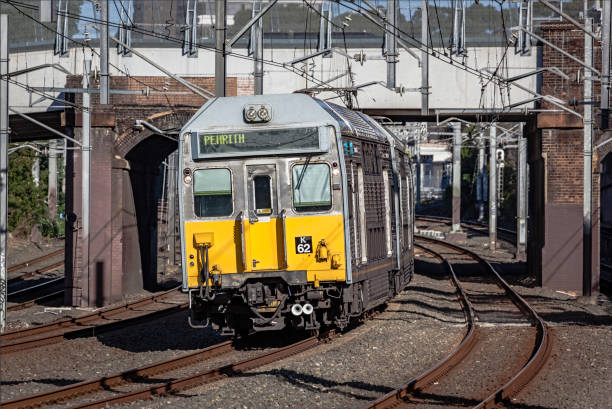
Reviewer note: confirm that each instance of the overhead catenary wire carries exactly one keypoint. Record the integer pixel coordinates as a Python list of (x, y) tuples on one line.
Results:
[(151, 33), (85, 45), (293, 69), (348, 5), (448, 60), (165, 37)]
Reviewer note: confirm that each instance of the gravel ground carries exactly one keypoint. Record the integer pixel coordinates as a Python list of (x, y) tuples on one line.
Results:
[(577, 374), (498, 355), (355, 367), (21, 250), (419, 327), (43, 314), (42, 369)]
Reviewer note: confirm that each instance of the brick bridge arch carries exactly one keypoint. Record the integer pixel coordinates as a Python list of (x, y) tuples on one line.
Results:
[(167, 121), (121, 256), (139, 174)]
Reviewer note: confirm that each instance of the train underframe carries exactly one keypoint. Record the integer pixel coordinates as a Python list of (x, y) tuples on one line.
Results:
[(272, 304)]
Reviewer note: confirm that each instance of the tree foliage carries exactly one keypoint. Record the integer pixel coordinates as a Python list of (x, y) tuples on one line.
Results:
[(27, 203)]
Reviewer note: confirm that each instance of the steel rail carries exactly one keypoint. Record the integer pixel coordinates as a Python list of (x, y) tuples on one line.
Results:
[(41, 270), (69, 392), (209, 376), (451, 360), (34, 261), (86, 325), (543, 342), (37, 287), (37, 300)]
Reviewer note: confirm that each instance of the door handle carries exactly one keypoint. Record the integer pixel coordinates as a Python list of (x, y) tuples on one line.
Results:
[(253, 217)]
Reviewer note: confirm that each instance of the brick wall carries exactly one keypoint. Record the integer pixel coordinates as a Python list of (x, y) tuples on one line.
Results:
[(128, 108), (568, 38), (564, 147), (561, 147)]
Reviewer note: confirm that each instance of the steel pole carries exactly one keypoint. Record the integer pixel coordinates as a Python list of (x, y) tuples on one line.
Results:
[(36, 171), (172, 191), (391, 42), (493, 188), (52, 181), (417, 153), (521, 205), (588, 164), (104, 75), (424, 58), (481, 175), (220, 60), (605, 63), (4, 137), (456, 177), (86, 167), (258, 51)]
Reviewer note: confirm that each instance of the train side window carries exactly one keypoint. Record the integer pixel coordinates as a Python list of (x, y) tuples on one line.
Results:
[(311, 187), (387, 212), (401, 209), (409, 207), (362, 215), (355, 215), (212, 191)]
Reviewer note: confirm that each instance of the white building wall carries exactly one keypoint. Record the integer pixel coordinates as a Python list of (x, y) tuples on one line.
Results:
[(451, 87)]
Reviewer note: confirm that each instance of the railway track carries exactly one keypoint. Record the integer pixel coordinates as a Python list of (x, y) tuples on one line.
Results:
[(475, 226), (100, 321), (36, 260), (27, 296), (132, 380), (52, 295), (48, 290), (415, 389)]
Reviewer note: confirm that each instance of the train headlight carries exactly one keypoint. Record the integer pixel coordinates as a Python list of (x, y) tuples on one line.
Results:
[(187, 175), (250, 114), (254, 113), (263, 114)]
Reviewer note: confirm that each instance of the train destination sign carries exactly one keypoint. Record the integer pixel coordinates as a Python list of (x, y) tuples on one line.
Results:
[(245, 143)]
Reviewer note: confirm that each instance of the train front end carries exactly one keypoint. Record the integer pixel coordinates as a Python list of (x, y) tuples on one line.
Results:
[(262, 221)]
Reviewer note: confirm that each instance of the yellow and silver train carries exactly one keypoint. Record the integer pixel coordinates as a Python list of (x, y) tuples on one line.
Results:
[(294, 212)]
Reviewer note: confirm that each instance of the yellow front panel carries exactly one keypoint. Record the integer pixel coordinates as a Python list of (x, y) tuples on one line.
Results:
[(261, 239), (329, 228), (224, 254), (263, 242)]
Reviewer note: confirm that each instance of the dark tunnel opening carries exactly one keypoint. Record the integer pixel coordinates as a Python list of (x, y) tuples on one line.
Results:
[(145, 161), (606, 214)]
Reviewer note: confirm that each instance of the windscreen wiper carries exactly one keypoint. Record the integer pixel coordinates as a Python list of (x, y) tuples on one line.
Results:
[(302, 173)]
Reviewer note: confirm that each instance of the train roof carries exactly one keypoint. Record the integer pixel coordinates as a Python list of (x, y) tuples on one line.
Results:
[(287, 109)]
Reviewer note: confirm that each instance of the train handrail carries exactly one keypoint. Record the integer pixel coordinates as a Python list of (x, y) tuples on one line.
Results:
[(283, 215), (242, 239)]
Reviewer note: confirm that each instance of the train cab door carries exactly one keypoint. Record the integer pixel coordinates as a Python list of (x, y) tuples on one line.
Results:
[(262, 240)]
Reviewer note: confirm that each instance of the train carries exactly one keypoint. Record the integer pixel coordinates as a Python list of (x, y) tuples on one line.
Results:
[(294, 213)]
